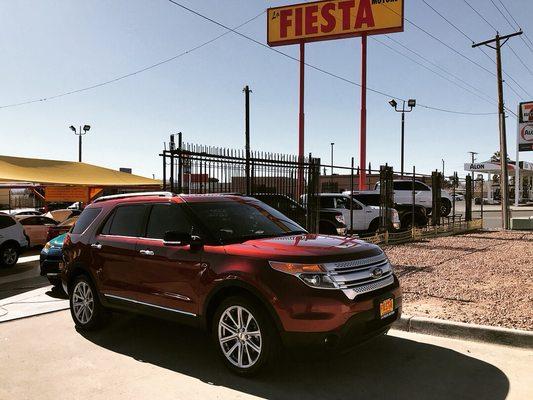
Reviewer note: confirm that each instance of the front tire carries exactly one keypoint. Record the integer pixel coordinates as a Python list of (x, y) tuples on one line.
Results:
[(245, 335), (9, 254), (85, 307)]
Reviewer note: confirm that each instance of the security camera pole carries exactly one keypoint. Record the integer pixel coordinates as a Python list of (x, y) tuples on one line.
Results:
[(80, 133), (504, 188), (411, 103)]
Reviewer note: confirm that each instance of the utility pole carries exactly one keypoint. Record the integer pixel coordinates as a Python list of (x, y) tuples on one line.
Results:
[(247, 92), (504, 184), (332, 144), (442, 168)]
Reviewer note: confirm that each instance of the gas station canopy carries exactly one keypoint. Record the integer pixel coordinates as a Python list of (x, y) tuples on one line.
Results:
[(55, 172)]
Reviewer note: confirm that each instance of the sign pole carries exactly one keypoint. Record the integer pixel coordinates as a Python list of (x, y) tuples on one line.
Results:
[(301, 120), (517, 165), (362, 134)]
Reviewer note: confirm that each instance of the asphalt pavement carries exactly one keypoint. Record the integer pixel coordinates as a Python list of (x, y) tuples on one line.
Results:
[(135, 357)]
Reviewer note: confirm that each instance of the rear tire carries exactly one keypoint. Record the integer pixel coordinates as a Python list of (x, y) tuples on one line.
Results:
[(85, 307), (9, 254), (445, 208), (245, 335), (374, 226)]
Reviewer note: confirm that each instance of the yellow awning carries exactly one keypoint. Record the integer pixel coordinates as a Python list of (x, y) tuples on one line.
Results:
[(55, 172)]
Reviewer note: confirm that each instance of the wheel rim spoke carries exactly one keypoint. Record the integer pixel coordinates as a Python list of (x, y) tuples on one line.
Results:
[(239, 336), (83, 302)]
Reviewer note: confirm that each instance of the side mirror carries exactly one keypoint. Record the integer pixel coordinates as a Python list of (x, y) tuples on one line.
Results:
[(174, 238)]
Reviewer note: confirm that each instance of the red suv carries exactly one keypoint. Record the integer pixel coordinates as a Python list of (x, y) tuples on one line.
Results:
[(232, 265)]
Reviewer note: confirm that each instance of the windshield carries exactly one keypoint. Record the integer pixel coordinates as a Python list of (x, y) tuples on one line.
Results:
[(236, 221)]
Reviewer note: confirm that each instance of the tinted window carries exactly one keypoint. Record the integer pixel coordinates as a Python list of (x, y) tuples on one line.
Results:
[(87, 216), (327, 202), (421, 186), (232, 221), (6, 222), (127, 221), (403, 185), (46, 221), (166, 217), (30, 221), (368, 199)]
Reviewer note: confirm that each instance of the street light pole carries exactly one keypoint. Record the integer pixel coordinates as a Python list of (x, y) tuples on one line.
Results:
[(411, 103), (332, 144), (80, 133)]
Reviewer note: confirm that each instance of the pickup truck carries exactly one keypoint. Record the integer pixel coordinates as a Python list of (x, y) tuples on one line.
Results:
[(403, 194), (405, 211), (365, 217)]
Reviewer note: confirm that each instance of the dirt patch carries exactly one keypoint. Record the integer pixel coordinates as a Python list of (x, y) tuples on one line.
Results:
[(483, 278)]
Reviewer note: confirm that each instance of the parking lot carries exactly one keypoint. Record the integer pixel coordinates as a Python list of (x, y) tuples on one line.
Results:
[(44, 357)]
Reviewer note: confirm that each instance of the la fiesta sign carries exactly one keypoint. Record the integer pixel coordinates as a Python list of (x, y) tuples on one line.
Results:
[(326, 20)]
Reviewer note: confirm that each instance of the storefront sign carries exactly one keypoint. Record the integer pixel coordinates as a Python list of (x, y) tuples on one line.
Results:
[(326, 20), (525, 127)]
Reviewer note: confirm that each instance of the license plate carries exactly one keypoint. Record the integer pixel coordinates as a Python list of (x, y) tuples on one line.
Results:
[(386, 308)]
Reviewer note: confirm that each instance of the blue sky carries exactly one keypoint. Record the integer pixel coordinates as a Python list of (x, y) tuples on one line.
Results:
[(50, 47)]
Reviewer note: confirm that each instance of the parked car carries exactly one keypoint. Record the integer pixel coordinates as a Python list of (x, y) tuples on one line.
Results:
[(405, 211), (62, 227), (51, 256), (36, 228), (365, 218), (232, 265), (62, 215), (21, 212), (12, 240), (458, 197), (331, 222), (403, 194)]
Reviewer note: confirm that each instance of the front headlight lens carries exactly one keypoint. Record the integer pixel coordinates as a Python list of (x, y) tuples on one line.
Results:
[(47, 247), (313, 275)]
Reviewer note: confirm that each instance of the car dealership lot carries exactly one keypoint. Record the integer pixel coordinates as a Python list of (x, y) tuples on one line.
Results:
[(44, 357)]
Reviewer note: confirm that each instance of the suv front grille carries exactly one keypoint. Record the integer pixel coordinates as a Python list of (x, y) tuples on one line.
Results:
[(356, 277)]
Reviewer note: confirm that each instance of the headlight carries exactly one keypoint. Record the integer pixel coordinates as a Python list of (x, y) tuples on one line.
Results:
[(312, 275), (340, 218), (46, 247)]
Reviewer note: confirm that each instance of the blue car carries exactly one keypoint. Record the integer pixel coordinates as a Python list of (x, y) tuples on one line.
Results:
[(51, 255)]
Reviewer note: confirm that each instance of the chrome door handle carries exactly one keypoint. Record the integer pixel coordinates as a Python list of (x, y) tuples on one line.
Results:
[(96, 246), (147, 252)]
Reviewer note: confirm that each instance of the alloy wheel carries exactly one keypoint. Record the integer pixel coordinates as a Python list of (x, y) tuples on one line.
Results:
[(239, 336), (83, 302), (9, 256)]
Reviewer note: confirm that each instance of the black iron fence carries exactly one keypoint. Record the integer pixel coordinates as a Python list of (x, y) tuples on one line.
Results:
[(198, 169), (428, 200)]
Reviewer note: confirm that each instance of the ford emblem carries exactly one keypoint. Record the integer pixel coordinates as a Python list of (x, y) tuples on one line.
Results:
[(377, 272)]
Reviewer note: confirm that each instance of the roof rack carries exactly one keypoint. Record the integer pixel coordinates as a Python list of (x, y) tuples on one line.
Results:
[(137, 194)]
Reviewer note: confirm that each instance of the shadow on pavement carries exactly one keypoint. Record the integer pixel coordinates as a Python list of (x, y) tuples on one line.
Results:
[(389, 367)]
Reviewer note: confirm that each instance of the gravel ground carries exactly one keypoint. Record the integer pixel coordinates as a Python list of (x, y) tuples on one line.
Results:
[(484, 278)]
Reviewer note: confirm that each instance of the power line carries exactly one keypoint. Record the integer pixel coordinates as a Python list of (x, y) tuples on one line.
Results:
[(520, 59), (437, 66), (139, 71), (433, 71), (318, 68), (480, 15), (471, 40), (511, 25)]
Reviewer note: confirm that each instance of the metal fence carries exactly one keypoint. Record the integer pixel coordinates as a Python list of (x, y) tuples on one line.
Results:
[(191, 168), (198, 169)]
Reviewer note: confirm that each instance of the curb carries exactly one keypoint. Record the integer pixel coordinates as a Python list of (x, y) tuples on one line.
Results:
[(452, 329)]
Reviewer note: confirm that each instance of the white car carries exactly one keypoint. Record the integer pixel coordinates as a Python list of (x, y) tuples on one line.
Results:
[(365, 218), (403, 194), (12, 240), (36, 228), (62, 214)]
